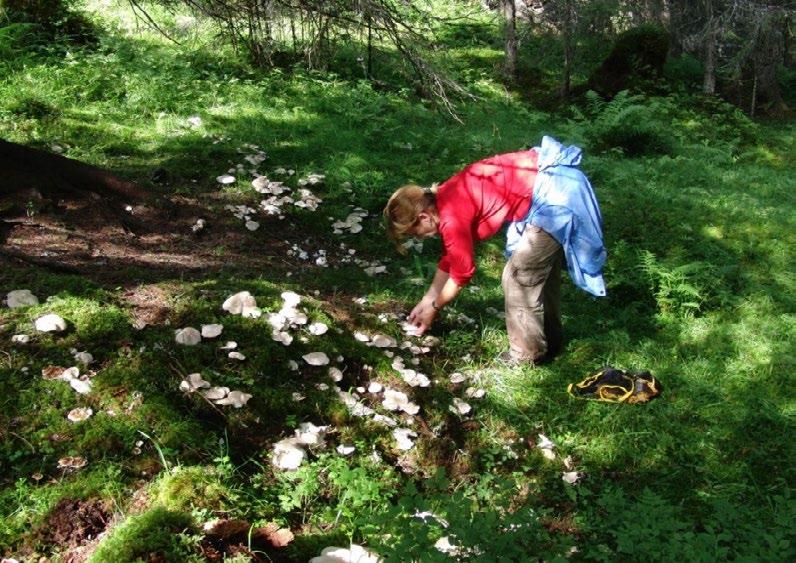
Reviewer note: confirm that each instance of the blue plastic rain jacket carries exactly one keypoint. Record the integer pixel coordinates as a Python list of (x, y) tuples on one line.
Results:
[(564, 205)]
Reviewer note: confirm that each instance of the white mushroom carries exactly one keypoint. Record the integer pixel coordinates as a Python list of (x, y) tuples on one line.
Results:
[(393, 400), (235, 398), (294, 316), (21, 298), (316, 358), (352, 554), (230, 345), (317, 329), (345, 450), (84, 358), (236, 356), (79, 414), (291, 299), (310, 435), (237, 303), (383, 341), (50, 323), (287, 454), (459, 406), (385, 420), (474, 393), (546, 446), (404, 438), (80, 386), (212, 330), (415, 378), (457, 377), (335, 374), (282, 336), (252, 225), (225, 179), (20, 339), (215, 393), (570, 477), (72, 462), (410, 329), (187, 336), (193, 382), (397, 400)]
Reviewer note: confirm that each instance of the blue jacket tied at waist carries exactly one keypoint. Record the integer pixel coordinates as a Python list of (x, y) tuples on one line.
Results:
[(564, 206)]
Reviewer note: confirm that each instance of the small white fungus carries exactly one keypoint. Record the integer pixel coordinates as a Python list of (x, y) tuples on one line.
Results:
[(21, 298), (50, 323), (187, 336), (212, 330)]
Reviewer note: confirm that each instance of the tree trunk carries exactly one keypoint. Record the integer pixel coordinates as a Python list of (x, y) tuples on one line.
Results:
[(24, 169), (510, 34), (568, 24), (709, 61), (676, 10), (768, 56)]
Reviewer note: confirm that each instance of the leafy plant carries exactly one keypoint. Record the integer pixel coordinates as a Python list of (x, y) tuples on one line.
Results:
[(628, 124), (674, 288)]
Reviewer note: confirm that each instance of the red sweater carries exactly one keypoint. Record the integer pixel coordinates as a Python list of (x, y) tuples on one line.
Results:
[(477, 201)]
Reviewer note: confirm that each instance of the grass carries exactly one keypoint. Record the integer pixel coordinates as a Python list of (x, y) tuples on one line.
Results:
[(700, 292)]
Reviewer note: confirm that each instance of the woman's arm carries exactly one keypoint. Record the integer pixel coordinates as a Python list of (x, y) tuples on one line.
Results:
[(442, 291)]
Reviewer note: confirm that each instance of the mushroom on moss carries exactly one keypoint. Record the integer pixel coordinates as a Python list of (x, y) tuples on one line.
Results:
[(21, 298), (50, 323), (79, 414), (352, 554), (187, 336)]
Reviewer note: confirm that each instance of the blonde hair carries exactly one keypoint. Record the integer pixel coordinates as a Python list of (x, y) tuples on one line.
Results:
[(402, 210)]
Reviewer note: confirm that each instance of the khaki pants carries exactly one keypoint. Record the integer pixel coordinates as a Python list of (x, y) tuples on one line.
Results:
[(532, 288)]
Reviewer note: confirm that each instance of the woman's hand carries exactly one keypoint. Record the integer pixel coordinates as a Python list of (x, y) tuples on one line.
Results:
[(422, 315)]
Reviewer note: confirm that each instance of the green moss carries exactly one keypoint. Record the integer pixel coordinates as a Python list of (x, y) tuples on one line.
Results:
[(155, 533), (187, 488)]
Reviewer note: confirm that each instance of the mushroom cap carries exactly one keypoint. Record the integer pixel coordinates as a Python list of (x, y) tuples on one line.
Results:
[(193, 382), (215, 393), (404, 438), (235, 398), (460, 406), (212, 330), (316, 358), (79, 414), (236, 303), (383, 341), (50, 323), (21, 298), (80, 386), (287, 454), (84, 358), (187, 336)]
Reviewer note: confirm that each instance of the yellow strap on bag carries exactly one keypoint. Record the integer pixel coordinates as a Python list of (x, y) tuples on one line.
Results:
[(610, 385)]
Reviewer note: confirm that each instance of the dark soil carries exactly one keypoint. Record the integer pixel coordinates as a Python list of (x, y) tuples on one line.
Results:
[(74, 522), (84, 236)]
